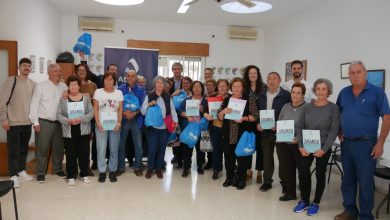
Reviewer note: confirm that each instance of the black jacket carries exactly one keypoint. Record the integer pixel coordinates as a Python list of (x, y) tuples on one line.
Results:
[(282, 98)]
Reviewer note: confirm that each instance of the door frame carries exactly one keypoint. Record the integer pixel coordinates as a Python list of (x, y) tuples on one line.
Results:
[(12, 48)]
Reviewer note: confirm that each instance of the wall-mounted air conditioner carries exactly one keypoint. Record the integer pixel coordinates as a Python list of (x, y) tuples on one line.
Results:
[(96, 24), (244, 33)]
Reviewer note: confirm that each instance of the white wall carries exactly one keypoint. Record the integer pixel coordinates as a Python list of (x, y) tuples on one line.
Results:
[(8, 20), (223, 52)]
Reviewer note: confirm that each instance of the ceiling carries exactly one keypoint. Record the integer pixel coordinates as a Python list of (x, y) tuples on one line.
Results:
[(201, 12)]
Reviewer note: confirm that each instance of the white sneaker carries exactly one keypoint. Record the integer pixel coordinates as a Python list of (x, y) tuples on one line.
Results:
[(25, 176), (71, 182), (16, 181), (85, 180)]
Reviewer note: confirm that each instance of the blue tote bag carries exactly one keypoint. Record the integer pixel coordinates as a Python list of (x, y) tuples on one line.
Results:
[(177, 100), (246, 145), (191, 134), (154, 117), (130, 103), (83, 44)]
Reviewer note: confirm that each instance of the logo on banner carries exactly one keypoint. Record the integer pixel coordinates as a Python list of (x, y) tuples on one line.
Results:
[(135, 65)]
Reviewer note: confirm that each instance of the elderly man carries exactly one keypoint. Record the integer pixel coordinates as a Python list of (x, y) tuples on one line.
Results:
[(43, 115), (132, 121), (361, 104)]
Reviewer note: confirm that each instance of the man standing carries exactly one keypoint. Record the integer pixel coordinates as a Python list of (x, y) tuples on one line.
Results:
[(14, 109), (296, 69), (361, 104), (273, 98), (43, 115), (177, 69), (132, 121)]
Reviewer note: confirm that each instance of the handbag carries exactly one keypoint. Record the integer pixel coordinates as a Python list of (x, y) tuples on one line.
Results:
[(246, 145), (205, 143), (169, 123)]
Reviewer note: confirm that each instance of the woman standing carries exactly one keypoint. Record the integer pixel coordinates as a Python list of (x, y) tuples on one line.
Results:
[(197, 89), (232, 131), (108, 104), (158, 136), (254, 86), (328, 125), (215, 129), (76, 130), (288, 152)]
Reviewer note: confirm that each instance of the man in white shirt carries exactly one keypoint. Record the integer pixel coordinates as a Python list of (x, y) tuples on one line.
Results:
[(296, 69), (43, 115)]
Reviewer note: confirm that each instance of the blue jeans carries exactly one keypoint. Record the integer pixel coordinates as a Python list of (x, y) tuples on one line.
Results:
[(216, 141), (101, 146), (157, 142), (359, 169), (136, 135)]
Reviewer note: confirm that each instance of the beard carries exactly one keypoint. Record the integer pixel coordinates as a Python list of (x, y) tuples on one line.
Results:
[(297, 75)]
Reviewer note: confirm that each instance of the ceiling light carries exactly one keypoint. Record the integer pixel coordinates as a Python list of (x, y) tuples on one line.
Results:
[(121, 2), (236, 7), (184, 6)]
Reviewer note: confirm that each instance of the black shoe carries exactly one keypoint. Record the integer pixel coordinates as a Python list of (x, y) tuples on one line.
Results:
[(179, 165), (208, 166), (131, 164), (241, 184), (185, 173), (174, 160), (215, 175), (41, 178), (61, 174), (265, 187), (165, 163), (200, 171), (102, 177), (228, 182), (94, 166), (112, 177), (235, 180), (286, 198)]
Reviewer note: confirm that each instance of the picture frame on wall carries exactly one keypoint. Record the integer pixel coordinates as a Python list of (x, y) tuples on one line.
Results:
[(344, 70), (376, 77), (41, 64), (289, 75)]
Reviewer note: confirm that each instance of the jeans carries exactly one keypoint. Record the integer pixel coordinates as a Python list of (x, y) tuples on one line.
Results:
[(101, 146), (216, 141), (17, 143), (136, 135), (157, 143), (359, 169)]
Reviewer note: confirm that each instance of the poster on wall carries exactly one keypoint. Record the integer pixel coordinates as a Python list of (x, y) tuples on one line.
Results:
[(226, 72), (41, 64), (32, 58), (289, 75), (376, 77), (143, 61)]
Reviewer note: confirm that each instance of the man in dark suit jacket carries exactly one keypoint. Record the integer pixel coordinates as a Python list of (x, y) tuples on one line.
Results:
[(177, 69)]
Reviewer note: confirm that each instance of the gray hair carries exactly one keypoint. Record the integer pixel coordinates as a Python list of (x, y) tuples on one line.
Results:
[(157, 78), (177, 64), (141, 77), (132, 71), (327, 82), (357, 62), (52, 66)]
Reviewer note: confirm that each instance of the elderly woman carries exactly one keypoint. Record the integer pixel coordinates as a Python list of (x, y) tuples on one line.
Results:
[(288, 152), (141, 81), (108, 105), (324, 116), (158, 136), (232, 131), (76, 129)]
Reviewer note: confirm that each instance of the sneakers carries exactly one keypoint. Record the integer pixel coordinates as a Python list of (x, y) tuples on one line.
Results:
[(85, 180), (71, 182), (25, 176), (102, 177), (301, 206), (112, 177), (16, 181), (313, 209), (41, 178), (61, 174)]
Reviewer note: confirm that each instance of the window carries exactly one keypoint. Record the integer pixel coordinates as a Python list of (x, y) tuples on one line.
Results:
[(192, 66)]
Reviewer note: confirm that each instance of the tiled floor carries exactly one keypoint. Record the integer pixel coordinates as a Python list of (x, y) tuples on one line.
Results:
[(197, 197)]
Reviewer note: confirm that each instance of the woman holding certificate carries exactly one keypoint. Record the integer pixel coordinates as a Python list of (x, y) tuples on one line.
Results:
[(191, 110), (237, 113), (215, 128), (286, 142), (108, 104), (75, 114), (317, 130)]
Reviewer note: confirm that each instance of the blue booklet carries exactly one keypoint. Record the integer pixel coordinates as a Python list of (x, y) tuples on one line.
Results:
[(108, 120), (285, 131), (267, 119), (311, 140), (192, 107), (75, 110)]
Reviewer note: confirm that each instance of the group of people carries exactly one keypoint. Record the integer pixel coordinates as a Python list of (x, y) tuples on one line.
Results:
[(69, 116)]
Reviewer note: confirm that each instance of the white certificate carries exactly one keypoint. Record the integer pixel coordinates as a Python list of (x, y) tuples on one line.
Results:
[(108, 120), (311, 140), (192, 107), (285, 131), (267, 119), (75, 110), (238, 106)]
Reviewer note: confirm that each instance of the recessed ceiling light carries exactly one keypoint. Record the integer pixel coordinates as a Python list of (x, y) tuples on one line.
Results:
[(236, 7), (121, 2)]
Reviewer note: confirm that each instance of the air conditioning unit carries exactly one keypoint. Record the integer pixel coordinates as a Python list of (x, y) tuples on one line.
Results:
[(96, 24), (244, 33)]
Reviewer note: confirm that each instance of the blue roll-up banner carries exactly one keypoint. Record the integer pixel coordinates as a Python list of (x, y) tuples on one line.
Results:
[(143, 61)]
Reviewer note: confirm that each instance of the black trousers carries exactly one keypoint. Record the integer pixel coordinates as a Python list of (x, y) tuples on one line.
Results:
[(187, 155), (77, 151), (243, 163), (289, 158), (305, 176), (17, 143)]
